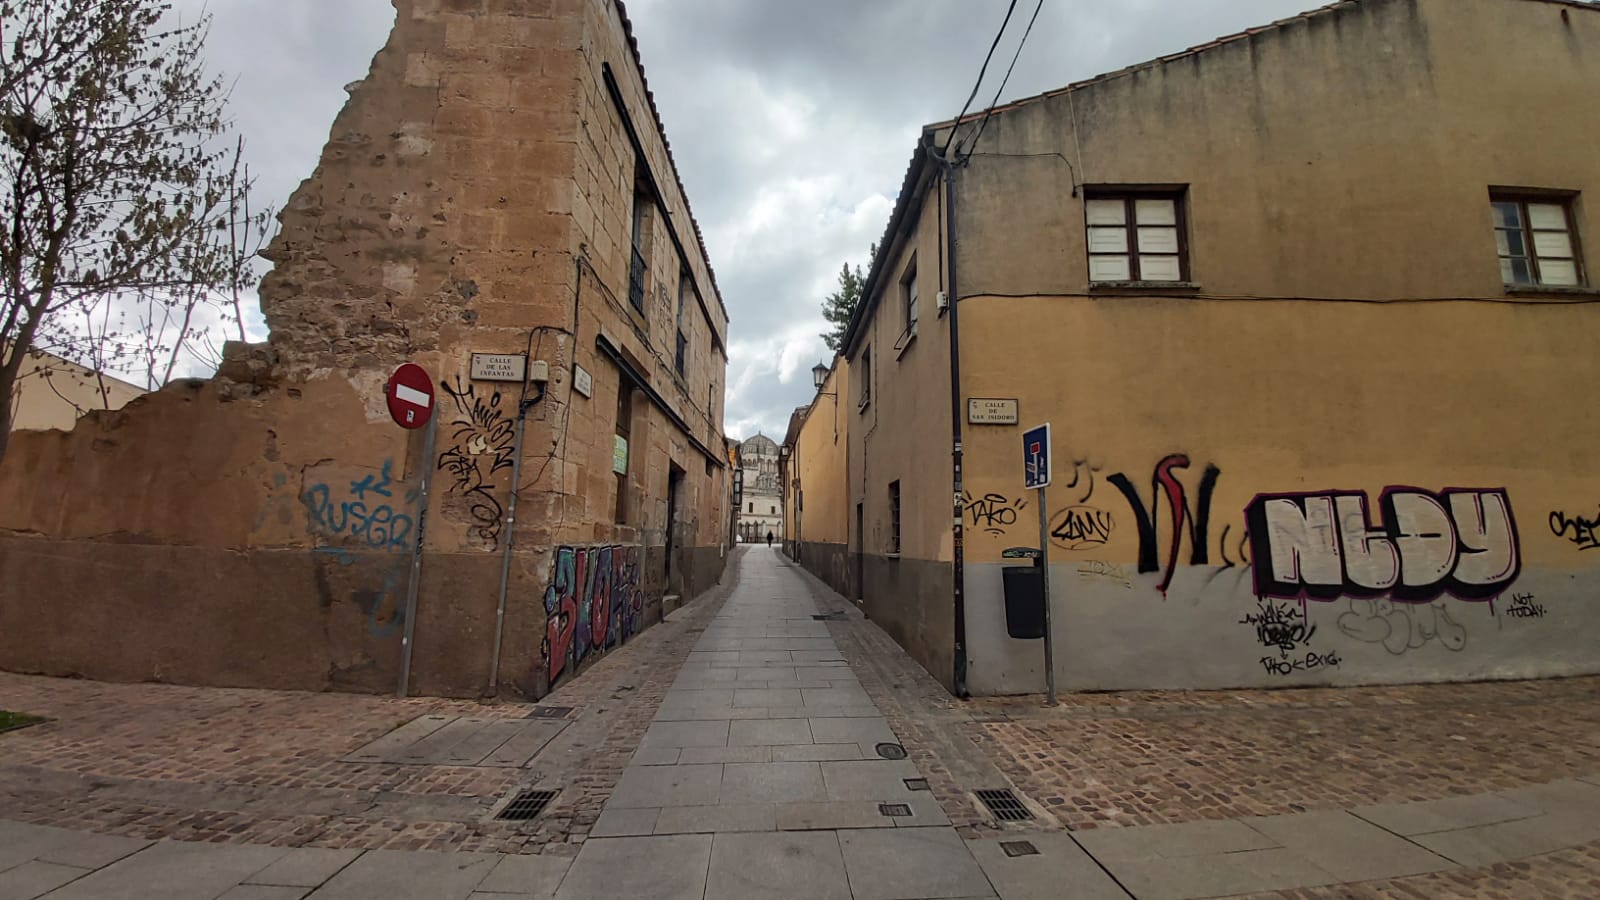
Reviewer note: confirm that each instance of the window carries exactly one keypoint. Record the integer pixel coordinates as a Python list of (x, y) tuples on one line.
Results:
[(772, 510), (894, 517), (619, 462), (908, 294), (685, 287), (752, 509), (1538, 240), (1136, 237), (639, 263), (866, 378)]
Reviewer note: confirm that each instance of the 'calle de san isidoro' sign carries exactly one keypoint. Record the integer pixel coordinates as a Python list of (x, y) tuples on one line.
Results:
[(991, 411)]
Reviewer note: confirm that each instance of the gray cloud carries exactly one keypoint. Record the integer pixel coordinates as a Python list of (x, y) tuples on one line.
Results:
[(792, 123)]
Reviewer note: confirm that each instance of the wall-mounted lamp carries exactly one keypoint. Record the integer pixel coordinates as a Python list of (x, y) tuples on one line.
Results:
[(819, 377)]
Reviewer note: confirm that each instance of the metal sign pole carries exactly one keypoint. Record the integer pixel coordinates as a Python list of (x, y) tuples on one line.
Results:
[(1044, 565), (428, 442)]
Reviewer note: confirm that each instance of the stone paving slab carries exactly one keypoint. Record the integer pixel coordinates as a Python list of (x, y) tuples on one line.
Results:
[(304, 867), (1060, 868), (1447, 814), (658, 786), (618, 822), (264, 892), (1217, 875), (726, 817), (777, 866), (702, 755), (662, 867), (772, 782), (172, 871), (1347, 847), (388, 874), (1174, 841), (35, 879), (526, 876), (893, 864)]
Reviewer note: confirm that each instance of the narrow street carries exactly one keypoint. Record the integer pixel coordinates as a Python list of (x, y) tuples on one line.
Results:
[(767, 743)]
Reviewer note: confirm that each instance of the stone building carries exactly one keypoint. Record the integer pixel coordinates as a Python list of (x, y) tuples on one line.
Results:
[(500, 183), (761, 511), (1311, 313)]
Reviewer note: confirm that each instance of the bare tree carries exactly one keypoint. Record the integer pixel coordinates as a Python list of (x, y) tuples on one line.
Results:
[(120, 213)]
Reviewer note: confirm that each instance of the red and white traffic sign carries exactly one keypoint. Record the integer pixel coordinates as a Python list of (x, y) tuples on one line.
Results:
[(410, 396)]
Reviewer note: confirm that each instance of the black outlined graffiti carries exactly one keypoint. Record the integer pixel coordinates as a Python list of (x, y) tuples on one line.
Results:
[(1576, 530), (1283, 666), (1324, 546), (1081, 528), (482, 437), (992, 512), (1280, 626), (1164, 481), (1402, 626), (1523, 607)]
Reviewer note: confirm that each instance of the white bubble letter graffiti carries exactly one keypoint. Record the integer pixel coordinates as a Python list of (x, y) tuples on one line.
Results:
[(1425, 537), (1305, 547), (1483, 521), (1370, 558)]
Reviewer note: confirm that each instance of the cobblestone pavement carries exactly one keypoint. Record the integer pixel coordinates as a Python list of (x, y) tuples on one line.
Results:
[(264, 767)]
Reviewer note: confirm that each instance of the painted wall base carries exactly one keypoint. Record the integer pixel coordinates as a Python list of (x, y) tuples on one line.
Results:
[(1115, 631)]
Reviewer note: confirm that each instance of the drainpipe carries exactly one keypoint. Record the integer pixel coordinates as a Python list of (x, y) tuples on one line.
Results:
[(523, 405), (957, 536)]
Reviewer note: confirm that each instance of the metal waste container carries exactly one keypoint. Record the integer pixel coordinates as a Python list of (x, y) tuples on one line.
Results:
[(1024, 590)]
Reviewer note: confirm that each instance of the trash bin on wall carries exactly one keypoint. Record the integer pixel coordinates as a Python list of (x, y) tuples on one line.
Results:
[(1024, 590)]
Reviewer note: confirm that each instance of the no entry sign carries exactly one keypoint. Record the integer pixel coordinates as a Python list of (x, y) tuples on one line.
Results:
[(410, 396)]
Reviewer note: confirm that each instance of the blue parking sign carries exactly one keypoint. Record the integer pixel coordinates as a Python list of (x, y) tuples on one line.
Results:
[(1036, 456)]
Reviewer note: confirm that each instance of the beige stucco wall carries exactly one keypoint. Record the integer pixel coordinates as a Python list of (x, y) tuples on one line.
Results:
[(903, 434), (818, 484), (272, 510), (1347, 158), (52, 392)]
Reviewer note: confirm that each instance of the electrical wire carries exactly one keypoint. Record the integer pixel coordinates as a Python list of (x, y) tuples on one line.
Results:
[(990, 111), (979, 83)]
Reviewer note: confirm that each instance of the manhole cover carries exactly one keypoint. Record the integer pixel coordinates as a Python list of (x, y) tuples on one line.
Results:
[(895, 810), (1005, 805), (1019, 848), (550, 712), (891, 751), (526, 804), (917, 784)]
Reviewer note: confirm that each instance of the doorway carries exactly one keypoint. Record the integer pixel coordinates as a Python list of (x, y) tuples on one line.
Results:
[(674, 504), (857, 588)]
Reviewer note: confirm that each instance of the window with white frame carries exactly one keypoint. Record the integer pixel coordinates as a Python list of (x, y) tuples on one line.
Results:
[(1136, 237), (1537, 239)]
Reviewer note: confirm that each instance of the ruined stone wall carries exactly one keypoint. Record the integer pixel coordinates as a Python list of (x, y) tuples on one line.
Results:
[(257, 529)]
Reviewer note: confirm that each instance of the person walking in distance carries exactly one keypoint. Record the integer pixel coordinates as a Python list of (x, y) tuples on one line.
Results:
[(769, 539)]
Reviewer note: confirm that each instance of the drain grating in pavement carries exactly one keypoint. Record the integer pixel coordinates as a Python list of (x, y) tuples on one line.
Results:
[(526, 804), (550, 712), (1005, 805), (891, 751), (1019, 848), (917, 784), (894, 810), (836, 616)]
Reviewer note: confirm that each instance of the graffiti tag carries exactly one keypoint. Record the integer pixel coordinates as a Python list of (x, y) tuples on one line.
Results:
[(1523, 607), (1323, 546), (1280, 626), (1081, 528), (1400, 626), (1164, 481), (482, 437), (1279, 665), (378, 526), (593, 603), (1580, 532), (993, 512)]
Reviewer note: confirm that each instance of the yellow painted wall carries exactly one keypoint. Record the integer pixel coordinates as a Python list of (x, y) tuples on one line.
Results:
[(52, 393), (821, 460), (1348, 332)]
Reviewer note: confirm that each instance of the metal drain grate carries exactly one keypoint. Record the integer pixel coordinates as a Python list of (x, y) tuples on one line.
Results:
[(830, 617), (891, 751), (917, 784), (526, 804), (1005, 805), (550, 712), (894, 810), (1019, 848)]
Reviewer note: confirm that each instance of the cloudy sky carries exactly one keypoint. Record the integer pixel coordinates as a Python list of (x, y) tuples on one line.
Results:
[(792, 122)]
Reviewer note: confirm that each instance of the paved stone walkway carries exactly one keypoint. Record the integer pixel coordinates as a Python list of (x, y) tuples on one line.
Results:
[(763, 774)]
